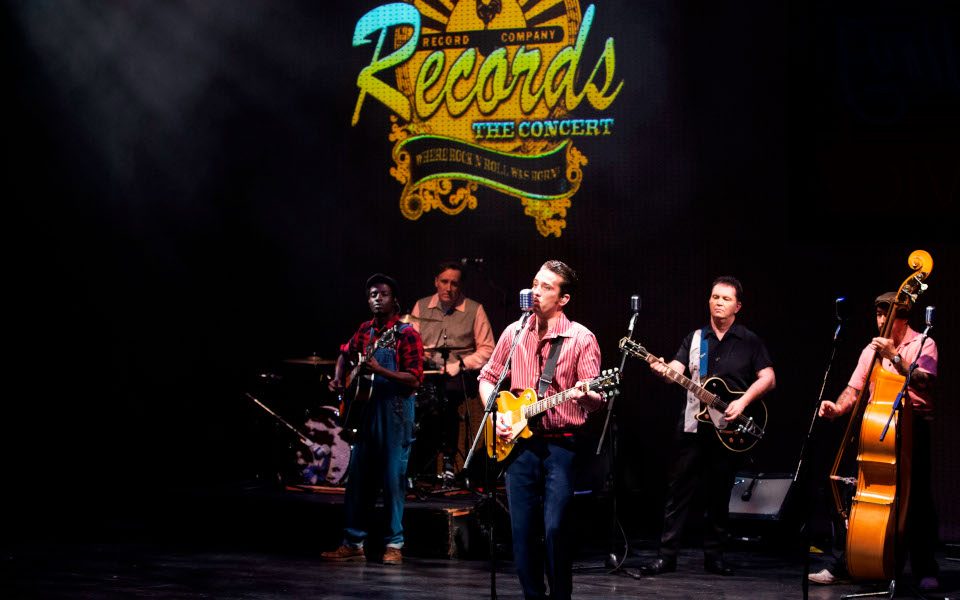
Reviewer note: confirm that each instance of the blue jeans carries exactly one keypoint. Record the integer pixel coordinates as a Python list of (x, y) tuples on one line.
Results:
[(539, 490)]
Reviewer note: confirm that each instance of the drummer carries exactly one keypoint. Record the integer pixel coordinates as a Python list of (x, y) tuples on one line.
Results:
[(456, 336)]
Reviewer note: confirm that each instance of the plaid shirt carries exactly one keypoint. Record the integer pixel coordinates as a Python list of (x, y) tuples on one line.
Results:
[(409, 347)]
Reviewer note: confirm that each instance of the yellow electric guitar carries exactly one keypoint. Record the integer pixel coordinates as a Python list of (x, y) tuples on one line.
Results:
[(519, 410)]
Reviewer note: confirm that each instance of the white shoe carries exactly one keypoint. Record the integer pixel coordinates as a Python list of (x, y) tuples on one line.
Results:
[(823, 577), (928, 584)]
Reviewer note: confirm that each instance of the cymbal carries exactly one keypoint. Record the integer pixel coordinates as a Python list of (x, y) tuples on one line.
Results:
[(311, 360), (440, 347), (408, 317)]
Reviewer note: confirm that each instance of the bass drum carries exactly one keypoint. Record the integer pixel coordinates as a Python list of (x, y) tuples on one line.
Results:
[(326, 461)]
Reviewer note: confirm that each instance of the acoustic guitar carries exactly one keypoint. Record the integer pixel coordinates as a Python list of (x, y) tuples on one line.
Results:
[(353, 404), (519, 410), (715, 395)]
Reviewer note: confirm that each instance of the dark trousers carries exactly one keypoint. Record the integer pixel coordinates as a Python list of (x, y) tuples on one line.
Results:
[(699, 463), (539, 492)]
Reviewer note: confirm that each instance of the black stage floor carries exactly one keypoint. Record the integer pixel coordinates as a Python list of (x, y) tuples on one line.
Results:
[(266, 545)]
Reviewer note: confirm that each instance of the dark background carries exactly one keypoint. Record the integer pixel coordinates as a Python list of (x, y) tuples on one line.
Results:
[(188, 205)]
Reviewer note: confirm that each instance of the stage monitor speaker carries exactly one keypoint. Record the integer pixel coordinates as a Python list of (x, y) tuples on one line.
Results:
[(759, 495)]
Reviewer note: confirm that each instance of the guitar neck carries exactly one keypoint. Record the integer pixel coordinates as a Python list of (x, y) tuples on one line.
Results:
[(385, 339), (691, 386), (534, 409)]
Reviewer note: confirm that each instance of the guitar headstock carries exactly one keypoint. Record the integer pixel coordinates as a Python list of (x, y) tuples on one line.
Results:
[(387, 338), (608, 382), (634, 348)]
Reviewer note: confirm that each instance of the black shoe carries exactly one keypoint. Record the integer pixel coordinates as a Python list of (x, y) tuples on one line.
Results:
[(717, 567), (659, 566)]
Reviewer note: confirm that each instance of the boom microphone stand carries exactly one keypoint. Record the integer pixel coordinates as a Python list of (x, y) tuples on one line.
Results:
[(490, 412), (840, 303), (612, 562)]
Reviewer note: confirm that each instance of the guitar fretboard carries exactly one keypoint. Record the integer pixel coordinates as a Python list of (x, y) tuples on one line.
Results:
[(711, 400), (535, 408), (702, 394)]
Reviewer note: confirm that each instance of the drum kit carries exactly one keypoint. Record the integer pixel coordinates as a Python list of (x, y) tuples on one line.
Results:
[(316, 452), (306, 444)]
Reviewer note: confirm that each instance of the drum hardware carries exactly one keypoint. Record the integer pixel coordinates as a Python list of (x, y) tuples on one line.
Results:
[(434, 464), (441, 348), (408, 317), (313, 360)]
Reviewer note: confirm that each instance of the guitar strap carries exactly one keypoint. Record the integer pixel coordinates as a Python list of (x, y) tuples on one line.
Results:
[(549, 367), (698, 364)]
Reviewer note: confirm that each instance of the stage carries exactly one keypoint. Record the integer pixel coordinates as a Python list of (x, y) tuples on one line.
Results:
[(256, 543)]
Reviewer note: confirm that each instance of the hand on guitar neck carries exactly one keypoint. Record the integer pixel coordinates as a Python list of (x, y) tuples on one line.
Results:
[(668, 371), (659, 367), (514, 413), (724, 408), (505, 428)]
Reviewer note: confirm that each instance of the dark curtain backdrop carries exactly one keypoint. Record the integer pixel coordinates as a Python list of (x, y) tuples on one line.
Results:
[(188, 205)]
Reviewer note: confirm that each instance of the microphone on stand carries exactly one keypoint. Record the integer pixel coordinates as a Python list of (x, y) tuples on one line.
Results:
[(840, 310), (526, 304), (928, 317), (526, 300), (635, 309)]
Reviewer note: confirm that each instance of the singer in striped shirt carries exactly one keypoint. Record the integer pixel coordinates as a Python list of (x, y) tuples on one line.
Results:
[(539, 473)]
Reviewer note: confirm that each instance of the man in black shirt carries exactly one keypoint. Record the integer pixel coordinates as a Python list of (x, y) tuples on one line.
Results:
[(736, 355)]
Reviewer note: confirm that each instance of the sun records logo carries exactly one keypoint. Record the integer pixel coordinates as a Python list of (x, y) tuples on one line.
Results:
[(485, 94)]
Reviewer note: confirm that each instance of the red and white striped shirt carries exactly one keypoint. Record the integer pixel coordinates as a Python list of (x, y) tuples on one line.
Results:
[(579, 360)]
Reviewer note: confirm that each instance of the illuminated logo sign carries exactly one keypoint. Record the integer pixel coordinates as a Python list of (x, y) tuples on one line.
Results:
[(486, 93)]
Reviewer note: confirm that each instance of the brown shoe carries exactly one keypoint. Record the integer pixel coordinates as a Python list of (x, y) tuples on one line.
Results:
[(344, 553), (392, 556)]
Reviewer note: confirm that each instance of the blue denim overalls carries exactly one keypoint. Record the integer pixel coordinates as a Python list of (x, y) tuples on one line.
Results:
[(379, 458)]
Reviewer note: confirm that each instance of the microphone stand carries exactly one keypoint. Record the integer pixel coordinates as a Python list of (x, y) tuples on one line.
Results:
[(612, 562), (805, 581), (906, 384), (490, 412), (897, 410)]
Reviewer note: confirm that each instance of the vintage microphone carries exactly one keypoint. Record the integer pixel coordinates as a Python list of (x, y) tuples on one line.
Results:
[(840, 310), (928, 317), (635, 309), (526, 304)]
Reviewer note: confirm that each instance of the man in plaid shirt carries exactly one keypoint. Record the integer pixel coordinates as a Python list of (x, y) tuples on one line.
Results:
[(382, 447)]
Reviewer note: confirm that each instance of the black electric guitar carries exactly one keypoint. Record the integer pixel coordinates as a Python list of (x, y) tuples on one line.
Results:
[(519, 410), (357, 387), (715, 395)]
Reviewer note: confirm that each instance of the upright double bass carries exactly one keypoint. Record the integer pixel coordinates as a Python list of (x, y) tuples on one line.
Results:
[(878, 511)]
